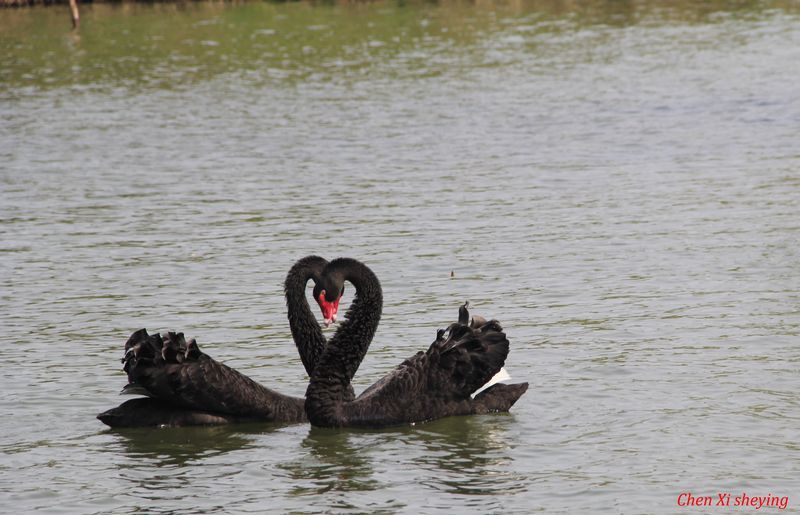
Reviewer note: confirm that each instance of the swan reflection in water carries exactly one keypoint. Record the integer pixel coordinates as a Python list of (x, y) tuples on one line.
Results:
[(461, 455), (182, 446), (334, 460), (469, 455)]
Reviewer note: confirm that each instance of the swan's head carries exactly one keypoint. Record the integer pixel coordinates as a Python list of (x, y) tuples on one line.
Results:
[(328, 301)]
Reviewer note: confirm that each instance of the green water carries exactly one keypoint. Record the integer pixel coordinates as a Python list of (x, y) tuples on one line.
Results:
[(617, 182), (168, 45)]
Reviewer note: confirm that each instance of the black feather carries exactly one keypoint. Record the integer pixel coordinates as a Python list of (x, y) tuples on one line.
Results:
[(429, 385), (188, 387)]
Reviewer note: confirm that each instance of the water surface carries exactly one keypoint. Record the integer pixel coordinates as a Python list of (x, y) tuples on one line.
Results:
[(617, 182)]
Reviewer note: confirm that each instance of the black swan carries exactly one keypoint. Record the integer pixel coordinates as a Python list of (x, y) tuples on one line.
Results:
[(429, 385), (187, 387)]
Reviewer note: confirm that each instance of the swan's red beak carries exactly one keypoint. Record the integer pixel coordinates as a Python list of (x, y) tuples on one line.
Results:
[(329, 309)]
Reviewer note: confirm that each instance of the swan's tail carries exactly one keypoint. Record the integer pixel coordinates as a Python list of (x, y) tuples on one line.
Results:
[(503, 375), (499, 397), (175, 372)]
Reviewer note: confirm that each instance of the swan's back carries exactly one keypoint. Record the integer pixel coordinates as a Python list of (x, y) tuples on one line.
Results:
[(177, 375), (468, 358), (439, 382)]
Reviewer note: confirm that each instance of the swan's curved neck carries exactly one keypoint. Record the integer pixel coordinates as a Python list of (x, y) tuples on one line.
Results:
[(331, 378), (306, 332)]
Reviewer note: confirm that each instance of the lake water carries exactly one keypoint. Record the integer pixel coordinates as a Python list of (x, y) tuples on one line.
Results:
[(617, 182)]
